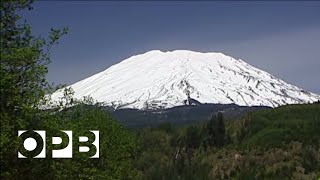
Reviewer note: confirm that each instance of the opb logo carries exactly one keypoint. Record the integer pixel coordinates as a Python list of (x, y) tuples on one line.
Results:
[(34, 144)]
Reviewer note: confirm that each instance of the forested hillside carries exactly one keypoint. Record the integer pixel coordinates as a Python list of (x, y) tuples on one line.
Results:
[(281, 143)]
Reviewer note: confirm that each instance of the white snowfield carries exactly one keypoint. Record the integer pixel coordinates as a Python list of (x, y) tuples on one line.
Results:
[(157, 79)]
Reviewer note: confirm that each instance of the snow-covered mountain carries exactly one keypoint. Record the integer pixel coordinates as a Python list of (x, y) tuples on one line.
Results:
[(157, 79)]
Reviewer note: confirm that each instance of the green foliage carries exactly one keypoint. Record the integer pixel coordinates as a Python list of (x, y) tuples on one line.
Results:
[(171, 152), (117, 146), (192, 137), (272, 128), (24, 60), (215, 131), (282, 143)]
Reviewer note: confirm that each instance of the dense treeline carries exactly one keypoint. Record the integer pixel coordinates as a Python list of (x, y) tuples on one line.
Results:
[(180, 115), (282, 143)]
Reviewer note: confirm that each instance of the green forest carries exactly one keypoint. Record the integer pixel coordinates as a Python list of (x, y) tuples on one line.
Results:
[(279, 143)]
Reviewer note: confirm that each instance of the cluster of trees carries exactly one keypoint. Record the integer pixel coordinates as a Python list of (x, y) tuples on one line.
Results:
[(168, 151), (24, 60), (282, 143)]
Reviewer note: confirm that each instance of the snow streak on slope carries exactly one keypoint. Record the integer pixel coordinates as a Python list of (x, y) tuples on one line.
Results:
[(165, 79)]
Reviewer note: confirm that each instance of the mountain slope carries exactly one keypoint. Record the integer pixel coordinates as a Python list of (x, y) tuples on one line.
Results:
[(156, 80)]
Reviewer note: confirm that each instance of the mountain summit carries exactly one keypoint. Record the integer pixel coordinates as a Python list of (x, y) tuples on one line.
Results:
[(157, 79)]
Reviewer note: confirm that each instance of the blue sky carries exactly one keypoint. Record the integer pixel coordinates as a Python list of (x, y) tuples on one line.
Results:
[(282, 38)]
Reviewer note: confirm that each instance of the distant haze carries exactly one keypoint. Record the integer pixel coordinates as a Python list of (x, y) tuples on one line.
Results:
[(282, 38)]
